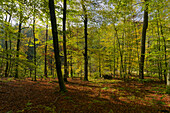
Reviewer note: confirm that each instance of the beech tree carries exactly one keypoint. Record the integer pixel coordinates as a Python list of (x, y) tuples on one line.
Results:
[(56, 45), (64, 41), (85, 36), (143, 40)]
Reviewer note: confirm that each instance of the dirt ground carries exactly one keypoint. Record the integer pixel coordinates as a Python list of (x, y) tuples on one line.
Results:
[(95, 96)]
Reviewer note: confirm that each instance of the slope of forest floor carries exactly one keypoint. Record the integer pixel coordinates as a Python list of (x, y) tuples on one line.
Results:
[(95, 96)]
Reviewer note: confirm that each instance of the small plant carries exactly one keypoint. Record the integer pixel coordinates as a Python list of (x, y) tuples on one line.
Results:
[(50, 81), (97, 101), (159, 102), (111, 111), (9, 111), (28, 104), (10, 79), (105, 88), (131, 97), (68, 98)]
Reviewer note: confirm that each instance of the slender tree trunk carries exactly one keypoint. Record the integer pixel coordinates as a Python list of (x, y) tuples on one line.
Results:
[(34, 46), (45, 69), (6, 46), (10, 67), (85, 35), (64, 41), (56, 45), (165, 56), (121, 54), (114, 57), (18, 48), (71, 65), (159, 59), (145, 25), (51, 62), (136, 36), (90, 67), (168, 68)]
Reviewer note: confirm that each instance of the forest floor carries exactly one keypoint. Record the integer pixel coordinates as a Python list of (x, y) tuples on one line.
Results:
[(94, 96)]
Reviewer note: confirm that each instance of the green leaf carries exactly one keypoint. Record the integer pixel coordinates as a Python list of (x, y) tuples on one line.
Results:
[(28, 104), (105, 88), (9, 111)]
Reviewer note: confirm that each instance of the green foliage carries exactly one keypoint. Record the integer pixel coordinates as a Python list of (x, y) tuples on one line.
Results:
[(50, 81), (67, 98), (111, 111), (9, 111), (105, 88), (168, 89), (159, 102), (28, 104), (97, 101)]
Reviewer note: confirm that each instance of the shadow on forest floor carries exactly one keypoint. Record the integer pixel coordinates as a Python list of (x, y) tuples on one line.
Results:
[(96, 96)]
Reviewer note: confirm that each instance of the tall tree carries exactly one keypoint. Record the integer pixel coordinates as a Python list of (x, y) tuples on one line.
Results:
[(64, 41), (56, 45), (18, 40), (145, 25), (6, 46), (45, 69), (168, 75), (34, 42), (85, 35)]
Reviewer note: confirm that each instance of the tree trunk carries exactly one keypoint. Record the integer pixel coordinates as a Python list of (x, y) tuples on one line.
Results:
[(6, 45), (64, 41), (114, 57), (85, 35), (159, 48), (121, 53), (168, 75), (34, 46), (145, 25), (56, 45), (18, 45), (45, 69), (71, 65), (165, 55), (136, 36)]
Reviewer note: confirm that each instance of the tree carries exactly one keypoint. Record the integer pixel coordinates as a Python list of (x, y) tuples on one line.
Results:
[(64, 41), (45, 68), (56, 45), (168, 75), (145, 25), (18, 41), (34, 43), (85, 35)]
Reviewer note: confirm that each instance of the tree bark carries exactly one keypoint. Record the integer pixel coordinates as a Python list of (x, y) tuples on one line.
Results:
[(34, 46), (18, 45), (45, 69), (145, 25), (6, 45), (85, 35), (56, 45), (64, 41), (165, 55)]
